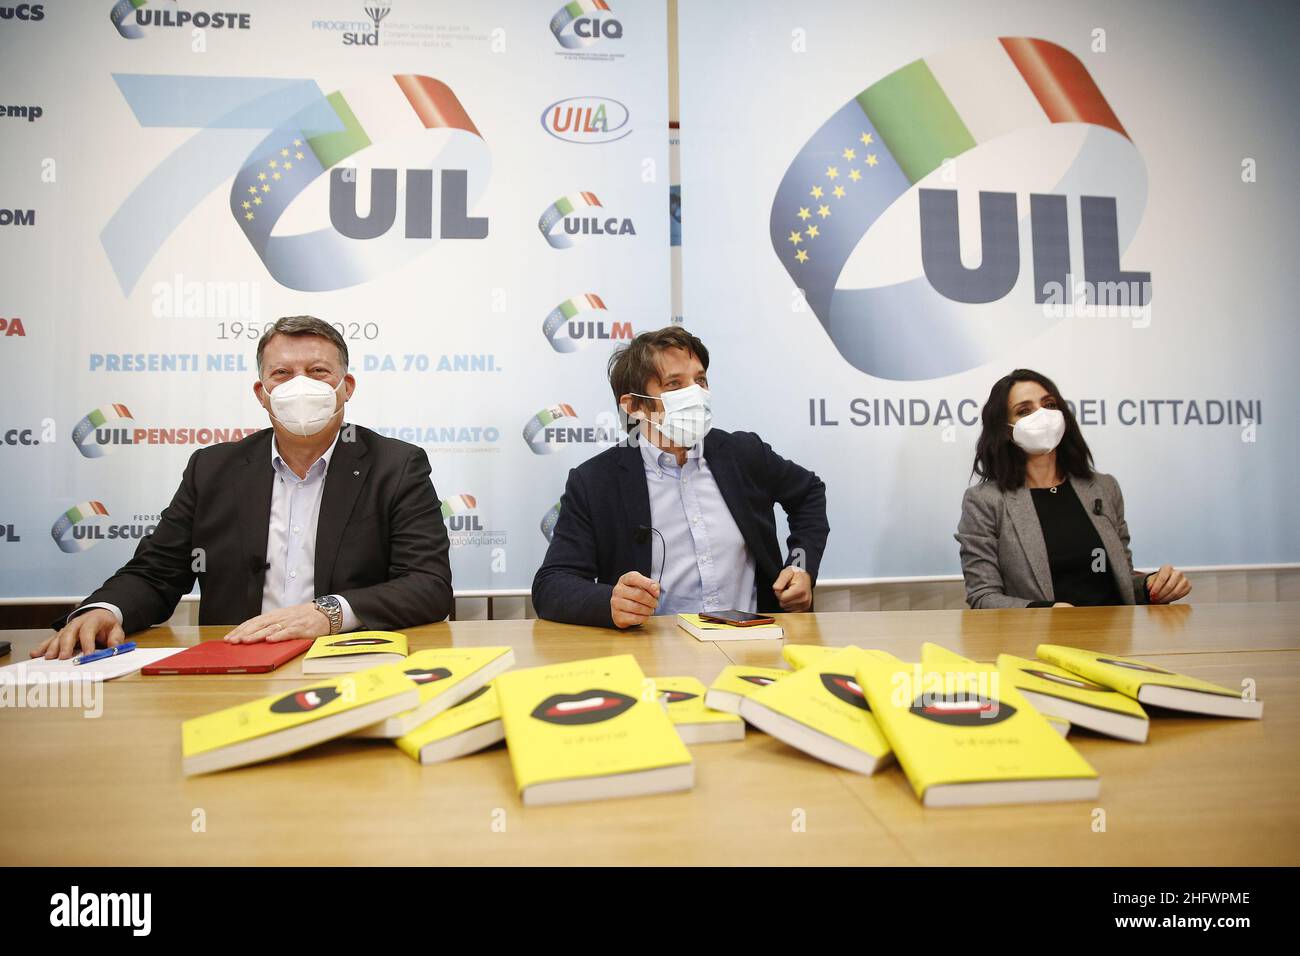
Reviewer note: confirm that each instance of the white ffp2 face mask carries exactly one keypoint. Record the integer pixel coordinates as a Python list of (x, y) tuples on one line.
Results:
[(304, 405), (1040, 431), (688, 415)]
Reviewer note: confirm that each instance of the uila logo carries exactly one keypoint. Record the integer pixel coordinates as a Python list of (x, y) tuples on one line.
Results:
[(587, 119)]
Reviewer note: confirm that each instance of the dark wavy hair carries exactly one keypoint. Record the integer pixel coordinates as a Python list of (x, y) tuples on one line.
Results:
[(999, 459)]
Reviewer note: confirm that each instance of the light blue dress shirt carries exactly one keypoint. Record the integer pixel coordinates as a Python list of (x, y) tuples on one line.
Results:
[(708, 566)]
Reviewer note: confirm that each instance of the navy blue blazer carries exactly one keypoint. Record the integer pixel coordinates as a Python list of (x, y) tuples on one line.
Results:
[(607, 499)]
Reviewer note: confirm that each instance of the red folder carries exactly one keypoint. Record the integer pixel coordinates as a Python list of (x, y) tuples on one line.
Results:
[(218, 657)]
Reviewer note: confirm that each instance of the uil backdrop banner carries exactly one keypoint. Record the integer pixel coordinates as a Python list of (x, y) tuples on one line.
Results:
[(889, 206), (475, 194)]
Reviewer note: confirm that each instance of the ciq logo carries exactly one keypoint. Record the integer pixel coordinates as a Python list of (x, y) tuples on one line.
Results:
[(587, 119), (574, 27)]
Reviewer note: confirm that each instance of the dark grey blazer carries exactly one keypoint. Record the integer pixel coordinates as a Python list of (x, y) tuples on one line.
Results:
[(1004, 557)]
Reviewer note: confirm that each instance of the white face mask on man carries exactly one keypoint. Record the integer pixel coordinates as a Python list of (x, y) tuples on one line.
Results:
[(304, 405), (1040, 431), (688, 415)]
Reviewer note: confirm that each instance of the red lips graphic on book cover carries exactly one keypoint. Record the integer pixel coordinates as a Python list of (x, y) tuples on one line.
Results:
[(302, 701), (587, 707), (846, 689)]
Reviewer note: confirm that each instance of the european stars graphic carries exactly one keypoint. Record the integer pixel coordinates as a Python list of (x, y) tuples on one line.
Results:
[(278, 170), (848, 154)]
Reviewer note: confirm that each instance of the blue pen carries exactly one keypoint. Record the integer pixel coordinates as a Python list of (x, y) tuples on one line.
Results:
[(106, 652)]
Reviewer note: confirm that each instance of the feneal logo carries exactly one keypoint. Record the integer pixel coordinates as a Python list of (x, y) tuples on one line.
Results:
[(460, 513), (130, 17), (580, 215), (558, 425), (30, 12), (581, 23), (587, 119), (865, 218), (29, 113), (306, 226), (577, 322), (17, 217), (12, 325), (76, 908), (81, 527)]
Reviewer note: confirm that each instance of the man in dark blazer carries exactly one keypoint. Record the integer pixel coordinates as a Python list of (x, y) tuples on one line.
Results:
[(680, 518), (307, 528)]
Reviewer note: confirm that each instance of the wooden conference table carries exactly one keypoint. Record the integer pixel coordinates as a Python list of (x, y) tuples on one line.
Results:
[(77, 791)]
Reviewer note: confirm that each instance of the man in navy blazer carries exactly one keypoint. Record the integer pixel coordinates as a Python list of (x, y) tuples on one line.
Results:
[(680, 518)]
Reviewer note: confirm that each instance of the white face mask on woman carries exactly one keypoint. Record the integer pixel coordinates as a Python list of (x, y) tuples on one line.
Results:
[(688, 415), (304, 405), (1040, 431)]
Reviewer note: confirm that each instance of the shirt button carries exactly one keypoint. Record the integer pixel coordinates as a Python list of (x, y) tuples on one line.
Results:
[(295, 529), (293, 574)]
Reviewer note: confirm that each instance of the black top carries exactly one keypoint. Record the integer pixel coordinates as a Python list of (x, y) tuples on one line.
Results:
[(1074, 549)]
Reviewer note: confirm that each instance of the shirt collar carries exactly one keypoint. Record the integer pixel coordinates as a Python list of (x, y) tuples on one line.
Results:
[(323, 462), (656, 459)]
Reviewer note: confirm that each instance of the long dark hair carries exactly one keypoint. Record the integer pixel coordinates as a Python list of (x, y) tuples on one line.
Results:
[(999, 459)]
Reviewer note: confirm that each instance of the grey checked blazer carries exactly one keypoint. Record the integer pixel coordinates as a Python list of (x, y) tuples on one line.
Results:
[(1004, 557)]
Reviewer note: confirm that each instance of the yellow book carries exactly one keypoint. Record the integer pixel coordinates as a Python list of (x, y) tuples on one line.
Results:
[(287, 722), (822, 711), (1152, 685), (799, 656), (735, 682), (696, 722), (1056, 691), (590, 730), (344, 653), (1059, 724), (466, 727), (965, 737), (703, 630), (446, 676)]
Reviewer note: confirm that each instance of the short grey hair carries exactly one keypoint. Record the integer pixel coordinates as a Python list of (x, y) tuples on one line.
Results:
[(302, 325)]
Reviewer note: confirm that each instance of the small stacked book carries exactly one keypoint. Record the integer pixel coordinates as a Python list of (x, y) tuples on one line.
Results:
[(712, 631), (696, 721), (735, 682), (466, 727), (344, 653), (445, 676), (1056, 692)]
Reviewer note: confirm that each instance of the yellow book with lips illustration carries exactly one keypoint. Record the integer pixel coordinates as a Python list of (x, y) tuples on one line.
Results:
[(696, 722), (800, 656), (735, 682), (466, 727), (446, 676), (822, 711), (1152, 685), (344, 653), (1057, 692), (590, 730), (965, 737), (290, 721)]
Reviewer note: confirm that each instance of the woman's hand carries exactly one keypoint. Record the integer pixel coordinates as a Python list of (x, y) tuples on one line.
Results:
[(1167, 585)]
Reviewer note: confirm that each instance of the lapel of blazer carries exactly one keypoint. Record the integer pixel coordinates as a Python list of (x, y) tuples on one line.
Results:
[(1020, 506), (1090, 492), (635, 492), (347, 473), (726, 473), (252, 487)]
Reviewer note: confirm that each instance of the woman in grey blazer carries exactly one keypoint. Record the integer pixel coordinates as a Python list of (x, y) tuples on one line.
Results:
[(1042, 528)]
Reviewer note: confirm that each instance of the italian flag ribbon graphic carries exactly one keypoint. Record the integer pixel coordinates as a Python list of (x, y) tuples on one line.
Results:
[(73, 516), (555, 214), (419, 114), (888, 138), (458, 504), (84, 431), (536, 426), (120, 14), (549, 519), (562, 313)]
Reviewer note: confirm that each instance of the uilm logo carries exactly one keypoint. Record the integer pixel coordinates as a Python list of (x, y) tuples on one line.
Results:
[(103, 909)]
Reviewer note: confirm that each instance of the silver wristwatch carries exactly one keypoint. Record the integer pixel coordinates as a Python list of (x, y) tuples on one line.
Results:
[(332, 608)]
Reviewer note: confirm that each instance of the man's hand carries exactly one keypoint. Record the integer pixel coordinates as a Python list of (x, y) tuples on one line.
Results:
[(793, 588), (286, 624), (633, 599), (81, 634), (1166, 585)]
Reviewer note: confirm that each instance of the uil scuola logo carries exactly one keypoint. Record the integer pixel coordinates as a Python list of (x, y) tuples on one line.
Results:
[(865, 218)]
